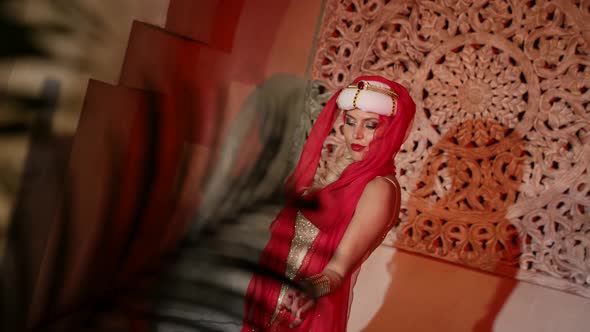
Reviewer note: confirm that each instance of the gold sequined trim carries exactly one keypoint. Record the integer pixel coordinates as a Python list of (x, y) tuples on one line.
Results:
[(305, 234)]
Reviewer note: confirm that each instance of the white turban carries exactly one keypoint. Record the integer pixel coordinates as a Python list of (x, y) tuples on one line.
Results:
[(368, 96)]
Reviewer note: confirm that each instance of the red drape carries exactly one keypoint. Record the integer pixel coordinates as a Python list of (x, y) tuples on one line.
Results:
[(336, 204)]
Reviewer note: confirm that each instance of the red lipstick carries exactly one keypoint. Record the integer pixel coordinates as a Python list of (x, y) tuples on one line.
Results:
[(357, 147)]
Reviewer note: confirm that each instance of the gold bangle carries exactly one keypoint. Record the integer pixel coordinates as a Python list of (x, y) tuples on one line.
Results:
[(319, 285)]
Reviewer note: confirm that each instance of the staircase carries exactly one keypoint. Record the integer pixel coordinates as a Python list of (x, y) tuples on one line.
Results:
[(139, 155)]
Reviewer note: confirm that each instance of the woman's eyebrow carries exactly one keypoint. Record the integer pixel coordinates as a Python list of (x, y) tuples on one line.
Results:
[(364, 119), (371, 119)]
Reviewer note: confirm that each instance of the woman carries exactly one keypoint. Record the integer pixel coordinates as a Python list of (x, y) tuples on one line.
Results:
[(356, 201)]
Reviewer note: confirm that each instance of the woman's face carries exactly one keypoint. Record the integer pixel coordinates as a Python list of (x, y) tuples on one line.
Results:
[(359, 129)]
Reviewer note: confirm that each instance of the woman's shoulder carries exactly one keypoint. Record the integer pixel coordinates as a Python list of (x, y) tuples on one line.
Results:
[(379, 200), (384, 184), (381, 188), (391, 180)]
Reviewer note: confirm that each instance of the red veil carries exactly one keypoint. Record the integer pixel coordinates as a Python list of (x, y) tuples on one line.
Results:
[(336, 206)]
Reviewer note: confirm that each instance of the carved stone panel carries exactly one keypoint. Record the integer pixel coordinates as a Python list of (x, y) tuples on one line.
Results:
[(495, 174)]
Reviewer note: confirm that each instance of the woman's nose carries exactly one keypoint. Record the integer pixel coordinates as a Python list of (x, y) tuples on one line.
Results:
[(358, 132)]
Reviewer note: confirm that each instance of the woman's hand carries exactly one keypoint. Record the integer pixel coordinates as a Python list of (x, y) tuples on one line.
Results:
[(298, 303)]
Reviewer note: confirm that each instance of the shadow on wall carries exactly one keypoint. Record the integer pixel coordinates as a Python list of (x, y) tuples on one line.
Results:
[(457, 212)]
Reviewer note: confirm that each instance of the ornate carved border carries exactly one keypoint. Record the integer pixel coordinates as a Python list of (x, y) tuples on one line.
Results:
[(496, 172)]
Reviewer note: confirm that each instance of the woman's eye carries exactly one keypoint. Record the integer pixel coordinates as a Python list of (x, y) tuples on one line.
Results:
[(350, 123), (371, 126)]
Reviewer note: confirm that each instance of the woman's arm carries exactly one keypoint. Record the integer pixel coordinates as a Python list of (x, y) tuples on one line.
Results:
[(375, 212), (374, 215)]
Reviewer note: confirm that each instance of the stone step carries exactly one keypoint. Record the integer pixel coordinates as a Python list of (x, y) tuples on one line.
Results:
[(211, 21), (156, 58), (192, 75), (86, 231)]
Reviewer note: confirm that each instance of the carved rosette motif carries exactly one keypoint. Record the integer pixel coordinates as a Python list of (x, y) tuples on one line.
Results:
[(495, 174)]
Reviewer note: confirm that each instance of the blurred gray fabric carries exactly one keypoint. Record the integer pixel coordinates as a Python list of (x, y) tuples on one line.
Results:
[(203, 287), (274, 111)]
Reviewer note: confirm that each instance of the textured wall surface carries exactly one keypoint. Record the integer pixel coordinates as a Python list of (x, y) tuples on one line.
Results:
[(495, 174)]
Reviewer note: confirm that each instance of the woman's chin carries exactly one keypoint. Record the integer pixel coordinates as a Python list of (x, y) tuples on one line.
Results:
[(357, 156)]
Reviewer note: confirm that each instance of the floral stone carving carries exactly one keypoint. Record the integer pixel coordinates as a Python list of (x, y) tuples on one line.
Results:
[(496, 172)]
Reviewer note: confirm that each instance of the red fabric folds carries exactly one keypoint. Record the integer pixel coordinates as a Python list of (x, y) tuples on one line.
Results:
[(336, 204)]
